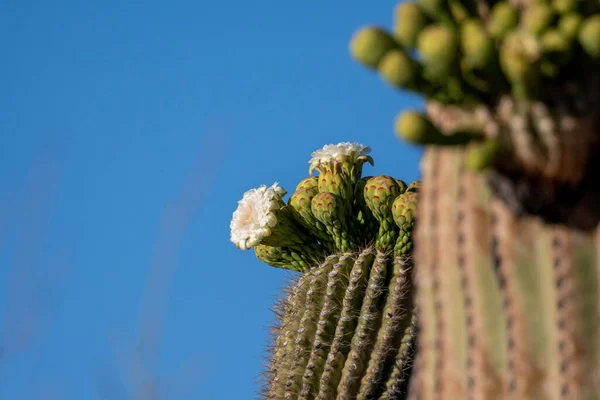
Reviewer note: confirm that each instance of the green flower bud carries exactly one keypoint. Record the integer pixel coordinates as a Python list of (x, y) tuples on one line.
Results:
[(503, 18), (461, 10), (365, 223), (370, 44), (410, 20), (433, 7), (308, 184), (556, 47), (402, 185), (299, 205), (564, 6), (481, 155), (329, 209), (380, 192), (414, 187), (569, 24), (438, 46), (537, 18), (477, 46), (398, 69), (589, 36), (416, 128), (282, 257), (438, 10), (404, 210), (520, 54)]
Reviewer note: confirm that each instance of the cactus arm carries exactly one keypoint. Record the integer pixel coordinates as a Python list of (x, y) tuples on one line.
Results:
[(345, 326), (336, 286), (397, 307)]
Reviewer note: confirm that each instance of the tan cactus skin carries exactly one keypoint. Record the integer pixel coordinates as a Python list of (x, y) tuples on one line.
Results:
[(509, 306), (506, 258)]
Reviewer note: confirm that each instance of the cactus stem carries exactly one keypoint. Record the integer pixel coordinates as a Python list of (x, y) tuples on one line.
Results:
[(362, 340), (522, 374), (451, 308), (398, 304), (587, 283), (345, 326), (293, 307), (426, 378), (569, 358), (330, 312), (485, 329), (307, 328), (397, 382)]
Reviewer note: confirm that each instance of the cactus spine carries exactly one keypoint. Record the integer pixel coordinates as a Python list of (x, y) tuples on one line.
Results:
[(347, 327), (506, 266)]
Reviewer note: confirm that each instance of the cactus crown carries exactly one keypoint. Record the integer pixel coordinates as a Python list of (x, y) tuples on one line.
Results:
[(514, 82), (337, 211), (346, 327)]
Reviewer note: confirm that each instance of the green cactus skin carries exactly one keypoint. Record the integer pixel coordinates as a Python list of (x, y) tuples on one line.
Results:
[(347, 330)]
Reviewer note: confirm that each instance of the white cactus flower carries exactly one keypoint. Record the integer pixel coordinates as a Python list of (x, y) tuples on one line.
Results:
[(345, 151), (254, 217)]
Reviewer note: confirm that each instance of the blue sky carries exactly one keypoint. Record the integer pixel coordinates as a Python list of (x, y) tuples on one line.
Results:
[(128, 131)]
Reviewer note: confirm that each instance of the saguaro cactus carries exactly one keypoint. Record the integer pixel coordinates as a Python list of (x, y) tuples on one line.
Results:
[(346, 327), (507, 268)]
